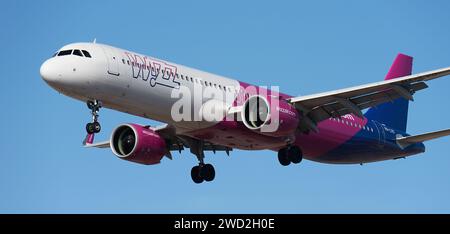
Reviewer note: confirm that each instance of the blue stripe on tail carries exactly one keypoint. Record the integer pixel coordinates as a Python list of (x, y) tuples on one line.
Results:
[(393, 114)]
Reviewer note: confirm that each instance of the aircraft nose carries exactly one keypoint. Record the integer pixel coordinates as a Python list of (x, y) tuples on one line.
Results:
[(48, 72)]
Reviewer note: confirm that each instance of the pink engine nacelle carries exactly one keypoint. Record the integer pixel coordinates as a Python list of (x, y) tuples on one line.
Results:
[(138, 144), (268, 117)]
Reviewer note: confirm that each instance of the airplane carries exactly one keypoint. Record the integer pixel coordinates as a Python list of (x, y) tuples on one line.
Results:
[(327, 127)]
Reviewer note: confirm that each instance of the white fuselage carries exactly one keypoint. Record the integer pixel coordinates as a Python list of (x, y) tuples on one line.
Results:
[(140, 85)]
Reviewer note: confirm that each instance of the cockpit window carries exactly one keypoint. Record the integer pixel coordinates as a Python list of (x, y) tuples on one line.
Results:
[(78, 53), (86, 54), (65, 52)]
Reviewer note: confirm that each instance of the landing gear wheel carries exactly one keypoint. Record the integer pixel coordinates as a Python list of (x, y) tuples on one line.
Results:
[(93, 127), (207, 172), (97, 127), (283, 157), (295, 154), (90, 128), (196, 176)]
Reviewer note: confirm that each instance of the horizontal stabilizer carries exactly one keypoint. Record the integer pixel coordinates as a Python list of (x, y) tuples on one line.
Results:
[(405, 141)]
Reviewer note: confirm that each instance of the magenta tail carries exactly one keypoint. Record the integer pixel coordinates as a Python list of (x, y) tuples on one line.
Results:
[(402, 66)]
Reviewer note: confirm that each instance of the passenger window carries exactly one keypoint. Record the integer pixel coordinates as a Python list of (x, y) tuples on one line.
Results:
[(65, 52), (123, 61), (77, 53), (128, 62), (86, 54)]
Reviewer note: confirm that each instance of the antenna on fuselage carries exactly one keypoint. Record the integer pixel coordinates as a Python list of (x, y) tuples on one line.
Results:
[(95, 40)]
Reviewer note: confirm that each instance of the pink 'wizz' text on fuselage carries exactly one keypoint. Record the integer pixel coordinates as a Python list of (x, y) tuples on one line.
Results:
[(152, 70)]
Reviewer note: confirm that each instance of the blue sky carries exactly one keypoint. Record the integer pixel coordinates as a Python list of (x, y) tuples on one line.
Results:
[(302, 46)]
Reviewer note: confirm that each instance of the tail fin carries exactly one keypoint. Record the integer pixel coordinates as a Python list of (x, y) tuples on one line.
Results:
[(394, 114)]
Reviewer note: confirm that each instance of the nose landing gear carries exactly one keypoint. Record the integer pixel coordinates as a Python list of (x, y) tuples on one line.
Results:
[(94, 126)]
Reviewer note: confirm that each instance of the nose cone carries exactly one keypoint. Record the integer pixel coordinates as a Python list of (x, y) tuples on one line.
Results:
[(48, 72)]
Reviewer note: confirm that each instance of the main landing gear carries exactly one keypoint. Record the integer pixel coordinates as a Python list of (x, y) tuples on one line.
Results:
[(290, 154), (94, 126), (202, 172)]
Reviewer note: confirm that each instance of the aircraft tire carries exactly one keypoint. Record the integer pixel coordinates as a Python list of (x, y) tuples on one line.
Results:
[(283, 157)]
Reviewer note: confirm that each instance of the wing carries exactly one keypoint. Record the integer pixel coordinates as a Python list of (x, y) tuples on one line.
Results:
[(318, 107), (174, 141)]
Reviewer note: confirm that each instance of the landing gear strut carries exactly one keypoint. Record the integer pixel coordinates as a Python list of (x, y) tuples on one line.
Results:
[(94, 126), (290, 154)]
